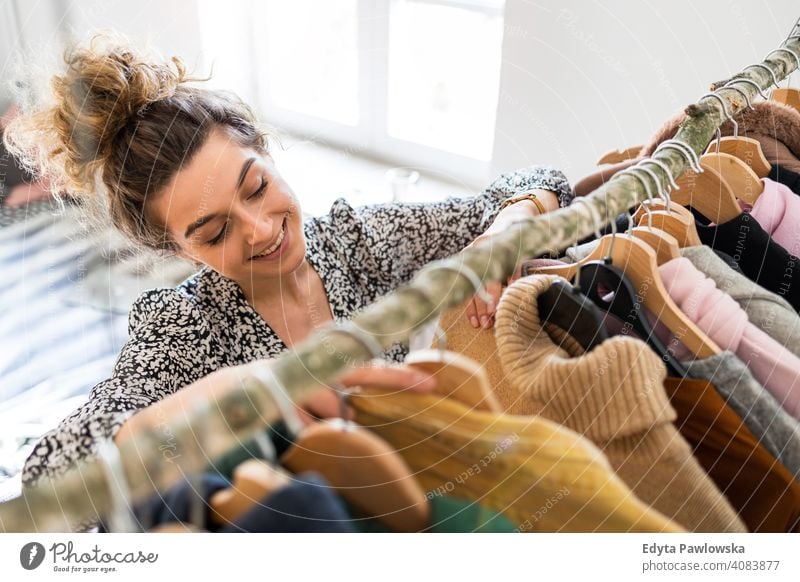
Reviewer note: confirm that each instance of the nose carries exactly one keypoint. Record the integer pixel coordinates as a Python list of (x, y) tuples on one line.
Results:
[(258, 229)]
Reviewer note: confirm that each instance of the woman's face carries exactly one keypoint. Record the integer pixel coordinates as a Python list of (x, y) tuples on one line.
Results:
[(230, 209)]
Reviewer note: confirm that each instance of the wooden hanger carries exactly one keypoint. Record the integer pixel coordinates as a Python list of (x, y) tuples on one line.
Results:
[(638, 262), (788, 96), (665, 245), (708, 193), (678, 221), (457, 377), (659, 204), (731, 178), (662, 212), (365, 470), (611, 290), (748, 150), (744, 182), (253, 480), (683, 229), (616, 156), (507, 463)]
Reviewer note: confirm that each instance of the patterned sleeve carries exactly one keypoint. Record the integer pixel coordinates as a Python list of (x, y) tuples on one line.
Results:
[(392, 241), (153, 364)]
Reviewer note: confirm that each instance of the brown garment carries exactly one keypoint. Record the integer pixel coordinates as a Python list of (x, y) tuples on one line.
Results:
[(613, 395), (759, 488), (768, 118), (777, 153)]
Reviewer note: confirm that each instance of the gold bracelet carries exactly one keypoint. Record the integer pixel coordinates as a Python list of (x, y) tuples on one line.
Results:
[(527, 196)]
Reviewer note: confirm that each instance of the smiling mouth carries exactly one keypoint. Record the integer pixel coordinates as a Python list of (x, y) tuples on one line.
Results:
[(275, 246)]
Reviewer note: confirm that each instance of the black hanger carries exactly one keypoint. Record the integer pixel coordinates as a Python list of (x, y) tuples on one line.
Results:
[(564, 306), (624, 305)]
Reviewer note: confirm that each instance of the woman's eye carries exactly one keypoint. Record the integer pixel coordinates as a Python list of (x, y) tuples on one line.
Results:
[(260, 190), (219, 236)]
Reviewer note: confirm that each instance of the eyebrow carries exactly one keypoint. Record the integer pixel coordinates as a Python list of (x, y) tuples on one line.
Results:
[(243, 173), (202, 221)]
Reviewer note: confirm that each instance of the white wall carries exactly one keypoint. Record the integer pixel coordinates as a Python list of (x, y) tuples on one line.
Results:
[(172, 27), (37, 31), (580, 78)]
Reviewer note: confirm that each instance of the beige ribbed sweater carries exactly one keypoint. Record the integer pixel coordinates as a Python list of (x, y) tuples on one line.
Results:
[(614, 395)]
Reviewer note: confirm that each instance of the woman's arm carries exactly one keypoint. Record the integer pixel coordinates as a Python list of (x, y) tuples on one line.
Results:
[(479, 312), (322, 403), (387, 243)]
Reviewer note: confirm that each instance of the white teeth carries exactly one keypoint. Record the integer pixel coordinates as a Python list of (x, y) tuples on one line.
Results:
[(275, 246)]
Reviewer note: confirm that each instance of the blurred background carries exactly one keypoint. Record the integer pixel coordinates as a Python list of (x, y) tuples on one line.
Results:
[(375, 100), (460, 90)]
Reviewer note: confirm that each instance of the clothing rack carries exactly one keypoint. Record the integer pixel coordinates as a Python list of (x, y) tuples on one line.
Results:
[(138, 468), (795, 29)]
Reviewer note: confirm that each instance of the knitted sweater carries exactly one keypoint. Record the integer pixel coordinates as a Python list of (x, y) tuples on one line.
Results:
[(719, 316), (777, 210), (614, 395), (761, 412), (766, 310)]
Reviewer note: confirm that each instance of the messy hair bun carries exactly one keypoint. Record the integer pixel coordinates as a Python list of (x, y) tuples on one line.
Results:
[(118, 125)]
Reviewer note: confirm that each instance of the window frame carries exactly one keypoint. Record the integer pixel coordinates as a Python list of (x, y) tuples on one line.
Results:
[(370, 138)]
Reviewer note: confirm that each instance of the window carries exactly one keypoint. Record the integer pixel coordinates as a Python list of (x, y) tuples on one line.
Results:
[(310, 62), (414, 82), (444, 71)]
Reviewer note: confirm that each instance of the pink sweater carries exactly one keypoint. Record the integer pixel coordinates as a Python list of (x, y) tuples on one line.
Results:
[(777, 210), (721, 318)]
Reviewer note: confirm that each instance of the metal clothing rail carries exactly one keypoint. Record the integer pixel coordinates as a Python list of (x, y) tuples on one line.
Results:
[(140, 468)]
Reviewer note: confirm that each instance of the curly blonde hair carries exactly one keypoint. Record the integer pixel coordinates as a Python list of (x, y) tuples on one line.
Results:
[(116, 128)]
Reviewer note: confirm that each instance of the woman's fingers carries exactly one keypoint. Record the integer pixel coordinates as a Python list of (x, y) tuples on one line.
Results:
[(323, 403), (472, 312), (481, 313), (391, 376)]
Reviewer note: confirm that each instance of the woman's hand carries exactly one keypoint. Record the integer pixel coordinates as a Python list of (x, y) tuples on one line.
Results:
[(479, 312), (322, 403), (376, 374)]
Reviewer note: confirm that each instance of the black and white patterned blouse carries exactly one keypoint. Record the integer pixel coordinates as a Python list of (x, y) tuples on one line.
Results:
[(179, 335)]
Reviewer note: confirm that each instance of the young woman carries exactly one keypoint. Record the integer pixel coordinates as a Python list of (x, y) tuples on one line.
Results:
[(184, 169)]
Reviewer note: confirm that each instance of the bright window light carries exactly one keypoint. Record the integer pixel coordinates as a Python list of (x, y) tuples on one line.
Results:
[(444, 74), (312, 57)]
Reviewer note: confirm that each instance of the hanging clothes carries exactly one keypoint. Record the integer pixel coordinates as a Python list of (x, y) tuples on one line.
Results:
[(766, 310), (613, 395), (758, 256), (777, 210), (773, 124), (716, 314), (785, 176), (776, 152), (760, 489), (760, 411), (577, 253), (307, 504), (452, 515)]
